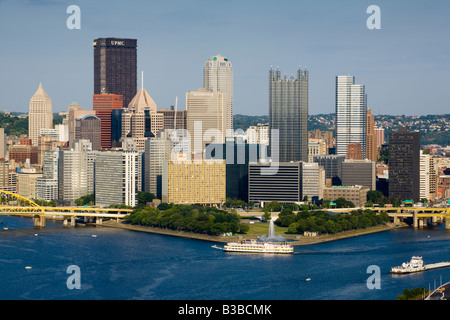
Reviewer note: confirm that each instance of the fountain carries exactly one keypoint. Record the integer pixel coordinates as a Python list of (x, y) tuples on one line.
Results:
[(271, 237)]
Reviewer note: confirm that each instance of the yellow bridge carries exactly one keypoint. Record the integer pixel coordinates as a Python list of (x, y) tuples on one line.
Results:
[(13, 204)]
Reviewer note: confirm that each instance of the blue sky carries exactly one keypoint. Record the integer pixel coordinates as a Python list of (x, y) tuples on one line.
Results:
[(405, 65)]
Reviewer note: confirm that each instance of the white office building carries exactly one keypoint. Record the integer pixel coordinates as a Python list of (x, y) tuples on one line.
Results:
[(351, 114)]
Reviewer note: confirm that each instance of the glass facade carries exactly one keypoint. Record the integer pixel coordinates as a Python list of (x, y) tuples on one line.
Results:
[(288, 113)]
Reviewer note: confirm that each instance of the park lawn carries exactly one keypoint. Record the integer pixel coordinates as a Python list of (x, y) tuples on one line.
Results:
[(260, 228)]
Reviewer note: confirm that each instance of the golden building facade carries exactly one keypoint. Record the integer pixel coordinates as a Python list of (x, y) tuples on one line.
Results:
[(194, 181)]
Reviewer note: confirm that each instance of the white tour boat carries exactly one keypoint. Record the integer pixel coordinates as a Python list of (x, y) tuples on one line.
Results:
[(258, 247), (415, 265)]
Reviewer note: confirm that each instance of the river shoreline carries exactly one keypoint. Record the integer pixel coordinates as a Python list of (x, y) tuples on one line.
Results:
[(294, 240)]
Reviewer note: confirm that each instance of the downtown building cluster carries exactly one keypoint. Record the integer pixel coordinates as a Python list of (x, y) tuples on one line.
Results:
[(124, 144)]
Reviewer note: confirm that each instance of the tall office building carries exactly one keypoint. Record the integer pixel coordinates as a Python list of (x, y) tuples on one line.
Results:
[(115, 67), (351, 114), (88, 127), (75, 172), (140, 120), (206, 115), (288, 113), (103, 105), (118, 177), (404, 164), (427, 177), (371, 141), (40, 115), (218, 77), (157, 150)]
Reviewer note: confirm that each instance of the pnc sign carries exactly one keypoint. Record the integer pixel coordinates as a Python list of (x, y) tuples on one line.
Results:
[(117, 42)]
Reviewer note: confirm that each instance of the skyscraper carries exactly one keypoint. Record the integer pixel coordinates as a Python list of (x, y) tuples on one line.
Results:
[(218, 77), (40, 116), (115, 67), (288, 113), (104, 104), (206, 117), (404, 164), (351, 114)]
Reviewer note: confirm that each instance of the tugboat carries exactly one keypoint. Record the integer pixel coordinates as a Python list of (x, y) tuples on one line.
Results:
[(415, 265)]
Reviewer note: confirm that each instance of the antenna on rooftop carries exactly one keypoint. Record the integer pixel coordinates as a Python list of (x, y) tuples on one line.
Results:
[(142, 81)]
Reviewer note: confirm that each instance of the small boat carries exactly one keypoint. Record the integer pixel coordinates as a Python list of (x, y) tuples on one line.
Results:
[(216, 247), (5, 228), (308, 279), (94, 236), (27, 267)]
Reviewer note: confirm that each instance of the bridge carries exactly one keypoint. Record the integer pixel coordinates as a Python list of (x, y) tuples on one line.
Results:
[(421, 215), (12, 204)]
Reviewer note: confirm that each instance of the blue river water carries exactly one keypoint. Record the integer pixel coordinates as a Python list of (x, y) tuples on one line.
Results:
[(116, 264)]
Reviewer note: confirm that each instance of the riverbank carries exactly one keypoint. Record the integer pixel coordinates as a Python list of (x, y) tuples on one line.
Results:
[(295, 240)]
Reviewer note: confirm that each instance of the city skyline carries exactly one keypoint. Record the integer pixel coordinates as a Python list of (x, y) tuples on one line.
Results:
[(328, 38)]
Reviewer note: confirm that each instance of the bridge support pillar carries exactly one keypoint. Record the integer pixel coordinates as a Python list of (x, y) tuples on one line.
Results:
[(39, 221), (415, 220), (98, 220), (447, 223), (396, 220), (65, 222), (72, 221)]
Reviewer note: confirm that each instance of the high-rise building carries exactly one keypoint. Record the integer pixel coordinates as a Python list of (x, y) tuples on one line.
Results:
[(288, 113), (238, 156), (103, 105), (194, 181), (371, 140), (359, 172), (75, 172), (404, 164), (140, 120), (173, 119), (427, 177), (313, 181), (157, 150), (40, 115), (47, 186), (88, 127), (351, 114), (333, 167), (206, 118), (118, 177), (218, 77), (115, 67)]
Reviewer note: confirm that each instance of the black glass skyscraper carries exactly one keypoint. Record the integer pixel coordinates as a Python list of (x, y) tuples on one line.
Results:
[(288, 113), (115, 67), (404, 164)]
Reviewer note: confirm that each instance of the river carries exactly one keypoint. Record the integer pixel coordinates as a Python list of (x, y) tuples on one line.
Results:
[(116, 264)]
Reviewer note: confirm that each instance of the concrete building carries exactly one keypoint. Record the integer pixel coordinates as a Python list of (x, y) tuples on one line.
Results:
[(355, 194), (194, 181), (258, 134), (332, 165), (282, 183), (428, 177), (47, 186), (206, 118), (75, 172), (371, 139), (288, 113), (173, 119), (40, 115), (359, 172), (157, 151), (26, 183), (88, 127), (313, 181), (118, 177)]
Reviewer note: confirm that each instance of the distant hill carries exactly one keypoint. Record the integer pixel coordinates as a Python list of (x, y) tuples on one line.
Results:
[(434, 129)]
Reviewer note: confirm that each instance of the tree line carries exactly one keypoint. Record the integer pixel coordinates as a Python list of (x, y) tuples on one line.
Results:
[(326, 223), (197, 219)]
